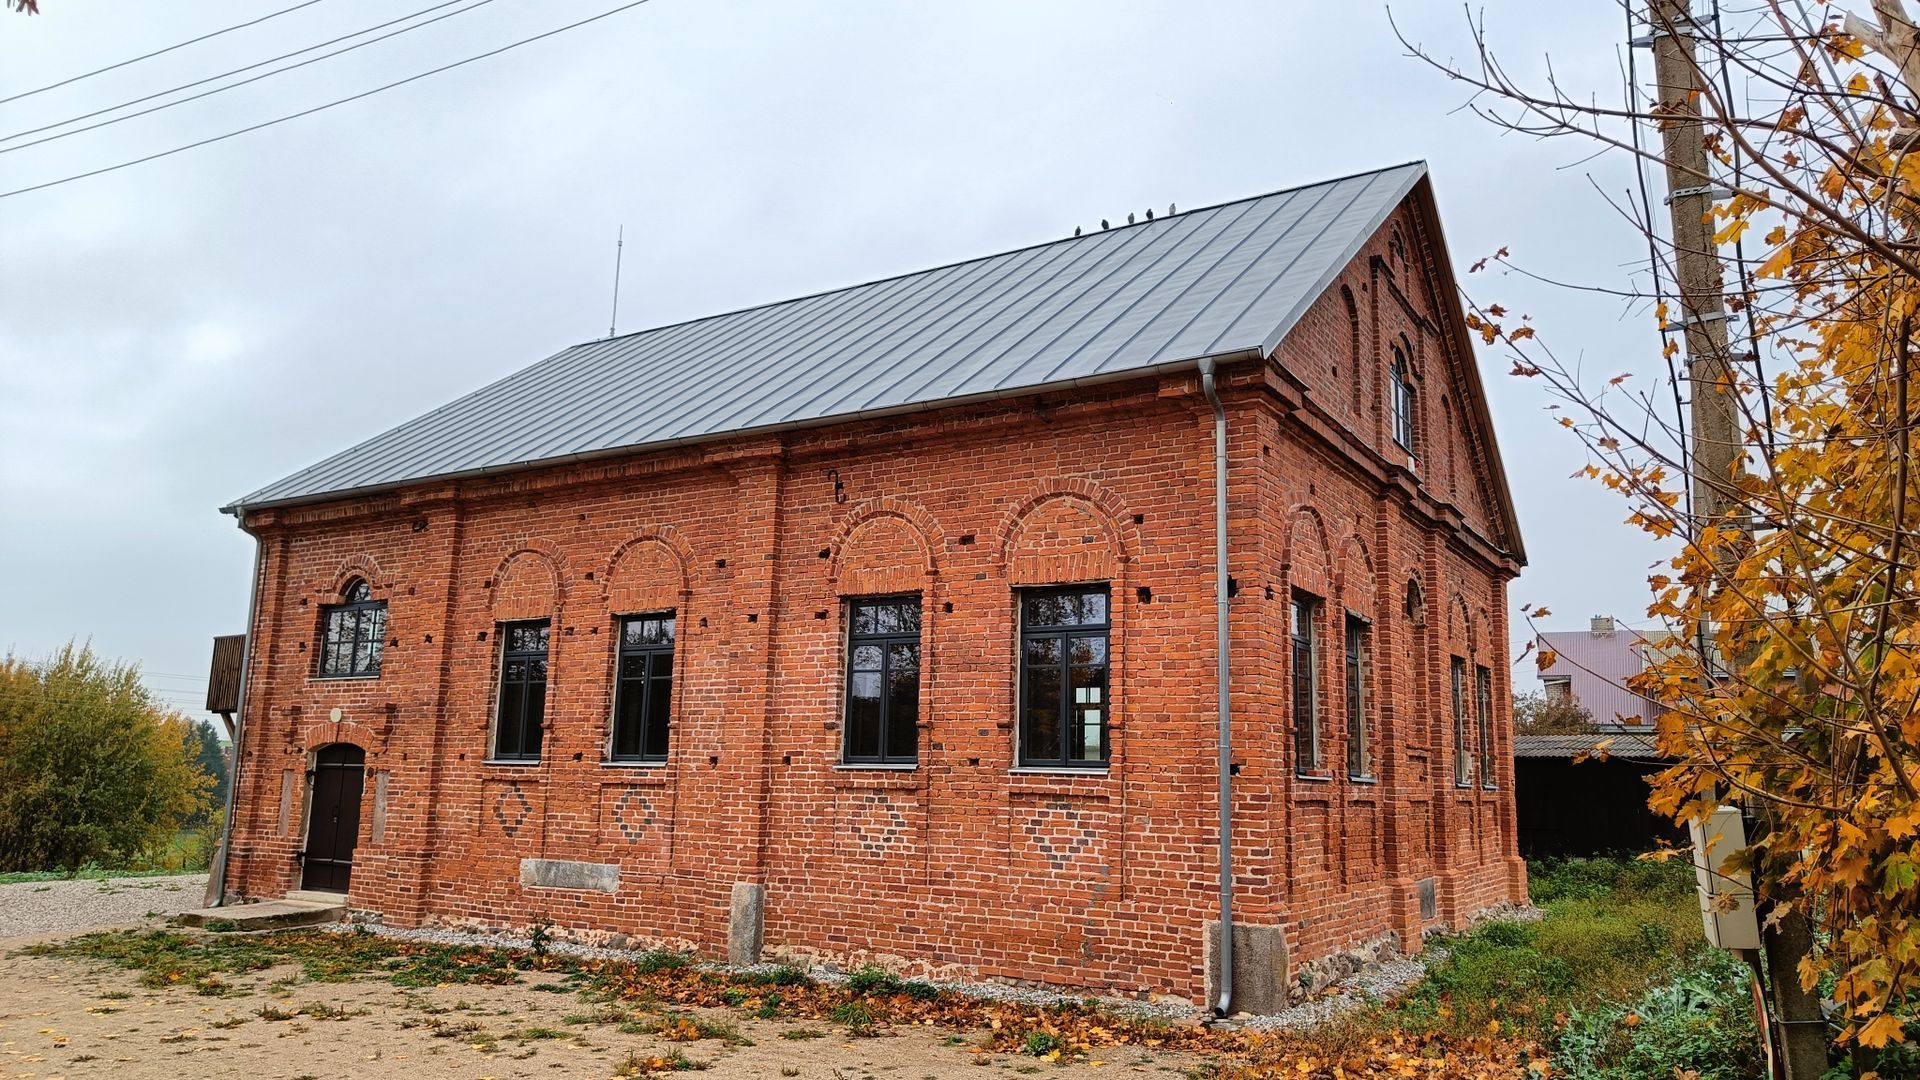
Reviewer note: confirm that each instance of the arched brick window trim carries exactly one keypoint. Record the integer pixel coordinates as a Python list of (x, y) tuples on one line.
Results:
[(858, 562), (1460, 633), (360, 566), (1356, 385), (670, 586), (1104, 508), (511, 597), (1306, 558)]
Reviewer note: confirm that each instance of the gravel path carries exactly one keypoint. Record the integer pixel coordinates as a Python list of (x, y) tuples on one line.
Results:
[(43, 907)]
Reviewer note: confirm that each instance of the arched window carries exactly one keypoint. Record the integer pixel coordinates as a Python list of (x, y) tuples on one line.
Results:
[(1403, 395), (355, 631)]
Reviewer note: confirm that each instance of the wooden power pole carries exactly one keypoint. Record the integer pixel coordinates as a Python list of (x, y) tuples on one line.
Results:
[(1715, 443)]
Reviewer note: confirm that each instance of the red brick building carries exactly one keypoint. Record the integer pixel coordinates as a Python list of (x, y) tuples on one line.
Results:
[(881, 624)]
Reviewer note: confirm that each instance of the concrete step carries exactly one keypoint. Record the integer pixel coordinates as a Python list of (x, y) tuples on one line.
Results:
[(270, 914)]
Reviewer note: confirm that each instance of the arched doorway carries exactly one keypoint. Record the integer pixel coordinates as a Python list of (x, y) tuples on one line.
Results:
[(333, 817)]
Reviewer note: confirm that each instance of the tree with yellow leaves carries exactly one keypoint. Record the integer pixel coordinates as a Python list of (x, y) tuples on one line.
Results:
[(1794, 685)]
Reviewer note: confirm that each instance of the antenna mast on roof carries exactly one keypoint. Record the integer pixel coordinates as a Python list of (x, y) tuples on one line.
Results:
[(619, 243)]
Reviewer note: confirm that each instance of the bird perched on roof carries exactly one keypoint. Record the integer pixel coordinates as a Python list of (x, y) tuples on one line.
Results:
[(1103, 223), (1129, 219), (1169, 209), (1076, 230), (1149, 213)]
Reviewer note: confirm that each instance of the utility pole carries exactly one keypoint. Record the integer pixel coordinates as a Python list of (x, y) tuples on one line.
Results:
[(1715, 444)]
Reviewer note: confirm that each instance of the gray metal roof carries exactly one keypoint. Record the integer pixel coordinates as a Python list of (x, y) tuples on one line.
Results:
[(1636, 745), (1213, 282)]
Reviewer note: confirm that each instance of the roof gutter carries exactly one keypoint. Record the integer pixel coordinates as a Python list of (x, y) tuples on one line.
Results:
[(1224, 1006), (239, 507)]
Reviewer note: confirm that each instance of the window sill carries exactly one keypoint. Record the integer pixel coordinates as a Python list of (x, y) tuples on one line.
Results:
[(1061, 770), (1316, 777), (619, 764), (876, 766), (1369, 781), (374, 677), (511, 762)]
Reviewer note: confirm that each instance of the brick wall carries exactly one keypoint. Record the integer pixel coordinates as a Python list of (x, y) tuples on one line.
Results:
[(964, 862)]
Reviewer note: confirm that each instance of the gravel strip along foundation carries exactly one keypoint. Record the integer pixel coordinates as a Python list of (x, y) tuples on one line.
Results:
[(47, 907), (1380, 982)]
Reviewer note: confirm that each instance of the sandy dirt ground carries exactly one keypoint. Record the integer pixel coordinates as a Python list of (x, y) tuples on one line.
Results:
[(83, 1018)]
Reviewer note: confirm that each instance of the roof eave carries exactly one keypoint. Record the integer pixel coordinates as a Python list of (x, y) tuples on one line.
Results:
[(239, 508)]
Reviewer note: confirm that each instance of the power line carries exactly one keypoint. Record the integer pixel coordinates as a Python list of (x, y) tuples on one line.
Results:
[(323, 107), (156, 52), (236, 71)]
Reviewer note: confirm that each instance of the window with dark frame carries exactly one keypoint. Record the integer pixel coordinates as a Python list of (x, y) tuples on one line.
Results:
[(1302, 613), (355, 631), (643, 689), (523, 691), (1483, 714), (1403, 400), (1462, 750), (1064, 677), (1359, 752), (883, 681)]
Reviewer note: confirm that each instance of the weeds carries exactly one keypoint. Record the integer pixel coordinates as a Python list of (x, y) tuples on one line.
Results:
[(872, 980), (855, 1017)]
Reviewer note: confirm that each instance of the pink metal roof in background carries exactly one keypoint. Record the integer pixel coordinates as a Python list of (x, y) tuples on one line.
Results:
[(1597, 662)]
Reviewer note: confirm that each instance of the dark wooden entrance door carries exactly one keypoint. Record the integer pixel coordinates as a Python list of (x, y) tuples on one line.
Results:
[(333, 823)]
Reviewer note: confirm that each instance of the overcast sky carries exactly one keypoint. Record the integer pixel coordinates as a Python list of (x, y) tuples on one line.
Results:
[(176, 334)]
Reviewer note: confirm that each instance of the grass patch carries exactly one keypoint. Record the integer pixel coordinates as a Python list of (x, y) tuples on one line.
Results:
[(657, 960), (672, 1061), (1611, 930), (873, 980), (91, 872), (688, 1027), (803, 1034), (784, 975), (855, 1017), (169, 958)]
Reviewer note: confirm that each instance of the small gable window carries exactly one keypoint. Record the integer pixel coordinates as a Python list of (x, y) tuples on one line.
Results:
[(1403, 391), (354, 631)]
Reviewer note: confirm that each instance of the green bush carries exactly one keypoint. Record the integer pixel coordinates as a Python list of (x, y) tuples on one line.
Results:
[(1699, 1024), (93, 769)]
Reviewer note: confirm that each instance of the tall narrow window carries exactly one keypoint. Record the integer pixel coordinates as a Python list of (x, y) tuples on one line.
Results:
[(1063, 677), (523, 691), (883, 681), (1402, 390), (1306, 686), (1483, 715), (1462, 749), (355, 631), (1359, 752), (643, 690)]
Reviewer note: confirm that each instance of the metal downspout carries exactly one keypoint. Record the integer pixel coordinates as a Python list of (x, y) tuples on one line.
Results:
[(1224, 1006), (217, 883)]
